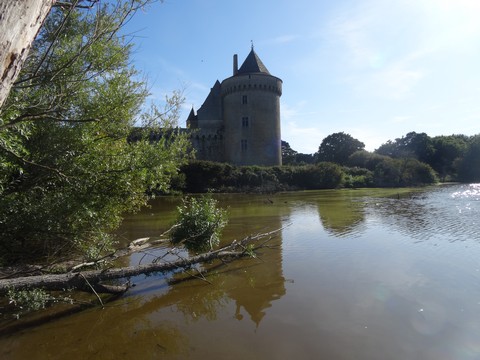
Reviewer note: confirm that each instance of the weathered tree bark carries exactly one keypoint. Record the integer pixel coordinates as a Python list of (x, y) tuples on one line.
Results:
[(91, 280), (20, 21)]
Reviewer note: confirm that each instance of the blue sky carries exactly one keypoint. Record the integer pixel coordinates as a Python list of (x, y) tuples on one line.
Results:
[(376, 69)]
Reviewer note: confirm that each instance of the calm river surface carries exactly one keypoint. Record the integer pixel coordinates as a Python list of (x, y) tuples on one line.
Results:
[(357, 274)]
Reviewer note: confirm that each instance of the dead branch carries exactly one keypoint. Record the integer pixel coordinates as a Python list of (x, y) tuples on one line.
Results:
[(135, 246), (92, 279)]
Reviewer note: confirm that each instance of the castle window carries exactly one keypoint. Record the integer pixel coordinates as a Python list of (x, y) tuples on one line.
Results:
[(244, 145), (244, 99), (245, 121)]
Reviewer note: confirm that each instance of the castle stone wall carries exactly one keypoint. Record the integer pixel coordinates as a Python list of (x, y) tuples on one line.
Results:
[(251, 113)]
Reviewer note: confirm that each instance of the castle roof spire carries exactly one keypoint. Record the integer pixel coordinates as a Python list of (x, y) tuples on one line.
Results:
[(252, 64)]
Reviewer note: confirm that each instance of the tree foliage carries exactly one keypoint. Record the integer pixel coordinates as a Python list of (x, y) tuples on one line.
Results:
[(412, 145), (448, 152), (67, 169), (204, 176), (443, 153), (392, 172), (199, 224), (469, 165), (338, 147), (402, 172), (292, 157), (365, 159), (288, 154)]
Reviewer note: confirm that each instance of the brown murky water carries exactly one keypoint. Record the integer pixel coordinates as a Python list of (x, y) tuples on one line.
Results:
[(358, 274)]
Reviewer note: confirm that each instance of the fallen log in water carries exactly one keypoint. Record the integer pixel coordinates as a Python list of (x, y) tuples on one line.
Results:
[(92, 280)]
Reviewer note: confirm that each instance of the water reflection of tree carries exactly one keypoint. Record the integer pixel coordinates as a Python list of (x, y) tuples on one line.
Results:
[(121, 330), (253, 284), (341, 213)]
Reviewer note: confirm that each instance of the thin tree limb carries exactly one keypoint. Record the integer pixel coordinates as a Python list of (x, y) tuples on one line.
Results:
[(72, 280)]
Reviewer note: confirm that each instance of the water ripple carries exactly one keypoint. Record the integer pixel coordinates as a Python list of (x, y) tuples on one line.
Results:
[(444, 214)]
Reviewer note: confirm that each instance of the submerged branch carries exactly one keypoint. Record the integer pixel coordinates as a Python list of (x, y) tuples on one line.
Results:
[(92, 280)]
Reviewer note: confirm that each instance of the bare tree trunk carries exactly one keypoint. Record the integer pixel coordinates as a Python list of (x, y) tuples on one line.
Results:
[(91, 280), (20, 21)]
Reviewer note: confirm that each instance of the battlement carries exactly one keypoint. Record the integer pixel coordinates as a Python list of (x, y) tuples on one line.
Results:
[(252, 82)]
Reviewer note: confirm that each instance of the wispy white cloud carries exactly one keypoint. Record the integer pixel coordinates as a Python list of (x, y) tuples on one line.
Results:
[(350, 32), (400, 119), (298, 131), (302, 139), (451, 24), (283, 39), (396, 81), (373, 64)]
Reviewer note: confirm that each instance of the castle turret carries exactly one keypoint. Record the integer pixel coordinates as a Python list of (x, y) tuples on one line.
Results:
[(251, 114), (192, 122)]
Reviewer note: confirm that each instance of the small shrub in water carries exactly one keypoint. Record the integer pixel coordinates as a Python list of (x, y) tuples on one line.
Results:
[(29, 300), (199, 224)]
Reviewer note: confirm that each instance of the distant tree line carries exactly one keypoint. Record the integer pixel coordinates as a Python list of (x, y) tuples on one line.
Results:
[(410, 160), (342, 161)]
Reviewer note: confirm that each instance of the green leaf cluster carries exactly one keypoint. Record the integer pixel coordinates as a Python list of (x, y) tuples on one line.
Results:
[(29, 300), (199, 223), (69, 169)]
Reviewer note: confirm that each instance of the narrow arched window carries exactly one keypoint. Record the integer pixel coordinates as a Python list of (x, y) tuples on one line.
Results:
[(243, 145)]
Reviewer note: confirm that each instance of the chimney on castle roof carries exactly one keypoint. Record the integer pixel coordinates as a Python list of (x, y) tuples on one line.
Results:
[(235, 64)]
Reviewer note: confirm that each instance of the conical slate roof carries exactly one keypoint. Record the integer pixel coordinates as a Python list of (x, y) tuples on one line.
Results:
[(191, 116), (252, 64)]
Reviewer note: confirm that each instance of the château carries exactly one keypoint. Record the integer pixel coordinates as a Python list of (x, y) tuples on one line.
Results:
[(239, 121)]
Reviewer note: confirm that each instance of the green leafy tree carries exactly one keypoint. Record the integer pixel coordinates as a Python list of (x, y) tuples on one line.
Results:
[(67, 169), (365, 159), (288, 154), (402, 172), (469, 168), (448, 151), (324, 175), (292, 157), (412, 145), (338, 147)]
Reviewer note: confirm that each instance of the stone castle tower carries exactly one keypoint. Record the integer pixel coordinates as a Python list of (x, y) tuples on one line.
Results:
[(239, 121)]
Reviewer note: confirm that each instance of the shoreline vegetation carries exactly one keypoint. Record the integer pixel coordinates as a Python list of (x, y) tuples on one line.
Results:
[(341, 161), (205, 176)]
